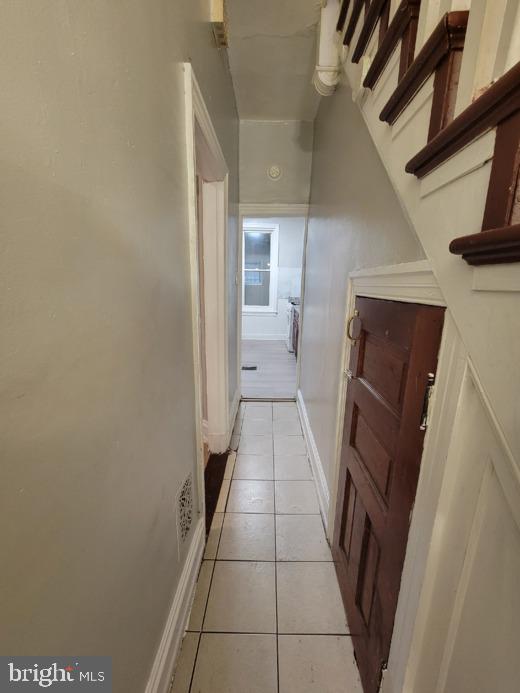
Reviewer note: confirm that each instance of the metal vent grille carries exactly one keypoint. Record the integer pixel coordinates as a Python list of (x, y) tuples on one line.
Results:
[(185, 508)]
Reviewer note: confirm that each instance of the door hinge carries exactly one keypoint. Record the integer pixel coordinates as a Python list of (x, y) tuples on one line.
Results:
[(430, 384), (347, 373)]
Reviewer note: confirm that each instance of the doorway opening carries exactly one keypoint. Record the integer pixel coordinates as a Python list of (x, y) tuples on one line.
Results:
[(213, 302), (272, 272)]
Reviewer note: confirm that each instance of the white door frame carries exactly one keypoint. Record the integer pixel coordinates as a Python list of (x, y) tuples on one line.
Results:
[(204, 152), (412, 282), (268, 210)]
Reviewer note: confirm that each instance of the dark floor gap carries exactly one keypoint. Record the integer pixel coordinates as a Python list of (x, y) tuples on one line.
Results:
[(213, 477)]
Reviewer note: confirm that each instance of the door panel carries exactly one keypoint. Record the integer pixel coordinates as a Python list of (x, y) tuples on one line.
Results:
[(371, 453), (381, 453), (384, 370)]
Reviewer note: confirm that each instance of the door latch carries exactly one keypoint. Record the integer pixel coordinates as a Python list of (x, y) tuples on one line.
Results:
[(430, 384), (354, 327)]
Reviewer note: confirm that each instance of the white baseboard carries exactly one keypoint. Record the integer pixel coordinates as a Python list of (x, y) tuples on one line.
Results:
[(317, 467), (263, 337), (169, 647)]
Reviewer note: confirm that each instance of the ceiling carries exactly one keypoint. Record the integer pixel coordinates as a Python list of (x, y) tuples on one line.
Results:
[(272, 53)]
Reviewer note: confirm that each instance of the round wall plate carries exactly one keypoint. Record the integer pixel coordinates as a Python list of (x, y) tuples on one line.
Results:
[(274, 172)]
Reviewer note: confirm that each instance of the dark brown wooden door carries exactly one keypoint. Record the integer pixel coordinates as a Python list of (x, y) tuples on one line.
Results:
[(380, 460)]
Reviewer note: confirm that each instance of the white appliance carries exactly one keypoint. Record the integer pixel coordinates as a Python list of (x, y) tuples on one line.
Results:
[(290, 317)]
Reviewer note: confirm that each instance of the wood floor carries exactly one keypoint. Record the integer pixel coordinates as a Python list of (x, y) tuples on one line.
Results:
[(275, 377)]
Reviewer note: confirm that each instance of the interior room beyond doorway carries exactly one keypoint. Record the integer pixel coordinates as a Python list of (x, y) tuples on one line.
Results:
[(272, 259)]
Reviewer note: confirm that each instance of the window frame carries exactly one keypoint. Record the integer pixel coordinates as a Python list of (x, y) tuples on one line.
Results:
[(274, 230)]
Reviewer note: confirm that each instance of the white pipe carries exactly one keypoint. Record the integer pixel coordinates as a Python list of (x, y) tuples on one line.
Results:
[(327, 71)]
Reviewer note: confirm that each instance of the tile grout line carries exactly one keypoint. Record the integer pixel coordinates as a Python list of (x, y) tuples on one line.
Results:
[(256, 632), (276, 578), (274, 480), (249, 512), (262, 560)]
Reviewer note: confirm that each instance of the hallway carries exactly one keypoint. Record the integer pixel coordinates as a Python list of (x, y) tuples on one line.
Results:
[(327, 193), (267, 614)]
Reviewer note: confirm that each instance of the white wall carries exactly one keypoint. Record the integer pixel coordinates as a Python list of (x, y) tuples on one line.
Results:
[(290, 254), (288, 144), (355, 221), (271, 326), (96, 358)]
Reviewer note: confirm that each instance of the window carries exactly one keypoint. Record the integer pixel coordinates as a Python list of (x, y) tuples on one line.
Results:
[(260, 268)]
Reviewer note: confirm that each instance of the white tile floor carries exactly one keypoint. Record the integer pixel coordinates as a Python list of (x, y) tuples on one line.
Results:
[(267, 615)]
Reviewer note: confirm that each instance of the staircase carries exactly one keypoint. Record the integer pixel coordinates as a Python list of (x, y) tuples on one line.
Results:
[(450, 144), (438, 86)]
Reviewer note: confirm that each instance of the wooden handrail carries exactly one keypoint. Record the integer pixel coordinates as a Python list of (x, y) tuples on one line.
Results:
[(373, 14), (501, 100), (489, 247), (407, 11), (449, 33)]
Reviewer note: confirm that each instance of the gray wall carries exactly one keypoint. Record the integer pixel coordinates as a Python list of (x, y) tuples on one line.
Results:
[(287, 144), (96, 367), (290, 248), (355, 221)]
